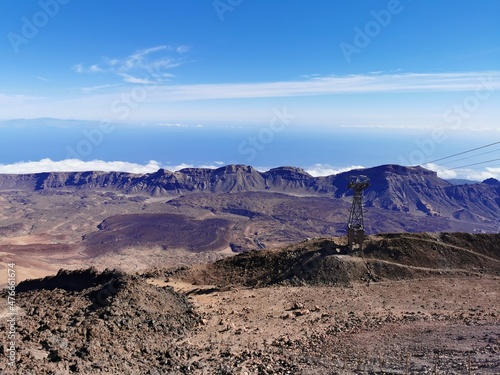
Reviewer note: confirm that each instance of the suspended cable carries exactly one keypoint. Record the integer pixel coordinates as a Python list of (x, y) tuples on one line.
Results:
[(469, 157), (470, 165), (464, 152), (493, 166)]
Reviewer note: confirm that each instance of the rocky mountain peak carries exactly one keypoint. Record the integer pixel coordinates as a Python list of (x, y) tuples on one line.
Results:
[(403, 170), (492, 181), (236, 168), (289, 172)]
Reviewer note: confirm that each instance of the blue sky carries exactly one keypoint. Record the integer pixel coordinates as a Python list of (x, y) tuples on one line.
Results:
[(380, 65)]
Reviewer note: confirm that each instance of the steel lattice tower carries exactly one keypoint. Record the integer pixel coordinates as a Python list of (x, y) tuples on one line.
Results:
[(355, 226)]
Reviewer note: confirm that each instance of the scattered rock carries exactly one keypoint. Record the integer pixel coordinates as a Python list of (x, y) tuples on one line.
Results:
[(297, 306)]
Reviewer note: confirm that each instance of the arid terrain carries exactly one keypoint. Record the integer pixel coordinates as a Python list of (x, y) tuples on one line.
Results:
[(419, 303), (234, 271), (130, 222)]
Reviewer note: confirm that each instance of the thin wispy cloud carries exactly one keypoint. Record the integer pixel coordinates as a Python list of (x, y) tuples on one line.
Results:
[(79, 68), (352, 84), (177, 125), (145, 66), (101, 96), (16, 98), (134, 70), (95, 68), (183, 48), (42, 79), (96, 88), (136, 80)]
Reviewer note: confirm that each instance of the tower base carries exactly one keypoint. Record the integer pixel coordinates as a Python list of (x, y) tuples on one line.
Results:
[(355, 238)]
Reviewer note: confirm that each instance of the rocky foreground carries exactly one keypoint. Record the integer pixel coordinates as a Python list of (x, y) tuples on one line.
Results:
[(410, 304), (92, 323)]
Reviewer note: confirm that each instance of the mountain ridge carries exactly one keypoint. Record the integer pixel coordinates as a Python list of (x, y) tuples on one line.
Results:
[(229, 178), (413, 190)]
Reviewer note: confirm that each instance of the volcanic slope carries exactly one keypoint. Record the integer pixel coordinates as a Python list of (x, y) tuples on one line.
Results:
[(412, 302), (89, 322), (385, 257), (119, 220)]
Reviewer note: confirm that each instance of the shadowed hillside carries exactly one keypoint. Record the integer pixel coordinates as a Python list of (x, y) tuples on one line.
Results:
[(386, 257)]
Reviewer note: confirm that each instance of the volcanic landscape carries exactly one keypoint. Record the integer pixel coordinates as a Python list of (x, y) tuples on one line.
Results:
[(234, 271)]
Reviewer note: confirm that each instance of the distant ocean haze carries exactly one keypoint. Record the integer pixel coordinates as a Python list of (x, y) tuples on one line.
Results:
[(253, 145)]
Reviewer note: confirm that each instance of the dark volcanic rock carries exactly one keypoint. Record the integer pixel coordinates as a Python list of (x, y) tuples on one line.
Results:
[(290, 178), (165, 230), (93, 323), (68, 280), (492, 181), (386, 257)]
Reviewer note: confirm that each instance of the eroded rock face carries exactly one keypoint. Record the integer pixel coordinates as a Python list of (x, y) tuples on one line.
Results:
[(393, 187), (90, 322)]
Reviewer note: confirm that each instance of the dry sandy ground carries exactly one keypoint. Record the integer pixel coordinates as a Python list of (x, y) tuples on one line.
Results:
[(419, 326), (37, 265)]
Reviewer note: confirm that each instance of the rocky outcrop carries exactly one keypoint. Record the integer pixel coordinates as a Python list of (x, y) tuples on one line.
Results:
[(99, 323)]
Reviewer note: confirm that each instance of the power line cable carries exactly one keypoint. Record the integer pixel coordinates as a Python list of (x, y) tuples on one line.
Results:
[(469, 157), (493, 166), (470, 165), (463, 152)]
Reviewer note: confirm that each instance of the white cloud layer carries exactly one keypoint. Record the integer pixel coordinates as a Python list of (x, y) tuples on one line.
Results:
[(76, 165), (138, 68), (468, 174), (326, 170)]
